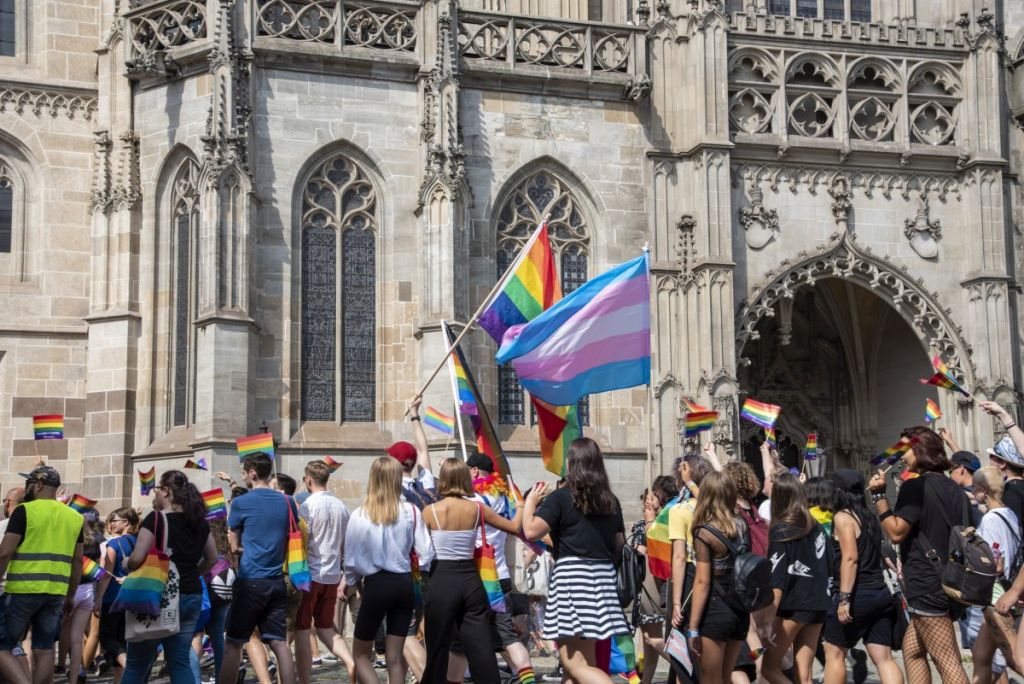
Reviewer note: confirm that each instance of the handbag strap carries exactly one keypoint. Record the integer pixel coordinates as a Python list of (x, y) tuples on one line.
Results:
[(483, 531), (161, 542), (412, 535), (292, 527)]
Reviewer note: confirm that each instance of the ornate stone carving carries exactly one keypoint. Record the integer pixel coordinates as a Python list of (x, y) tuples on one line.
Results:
[(127, 189), (842, 198), (759, 224), (686, 250), (637, 89), (923, 232), (99, 199), (46, 102), (724, 432), (871, 183)]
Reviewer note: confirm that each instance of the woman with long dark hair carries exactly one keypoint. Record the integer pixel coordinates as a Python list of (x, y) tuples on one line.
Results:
[(717, 627), (178, 513), (927, 508), (585, 522), (798, 550), (863, 608)]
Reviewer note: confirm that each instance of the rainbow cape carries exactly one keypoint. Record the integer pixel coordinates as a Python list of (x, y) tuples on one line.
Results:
[(932, 412), (529, 287), (558, 426), (81, 503), (216, 506), (893, 453), (760, 413), (811, 450), (332, 464), (255, 444), (147, 480), (91, 570), (659, 546), (439, 421), (198, 464), (48, 427)]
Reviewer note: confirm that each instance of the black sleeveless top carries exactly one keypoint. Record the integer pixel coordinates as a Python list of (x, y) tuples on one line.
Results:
[(869, 558)]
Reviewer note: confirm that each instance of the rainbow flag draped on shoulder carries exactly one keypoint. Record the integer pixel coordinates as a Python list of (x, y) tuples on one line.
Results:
[(596, 339)]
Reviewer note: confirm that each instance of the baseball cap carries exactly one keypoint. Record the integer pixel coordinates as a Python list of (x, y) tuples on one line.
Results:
[(966, 459), (1004, 450), (44, 475), (403, 452), (478, 460), (849, 481)]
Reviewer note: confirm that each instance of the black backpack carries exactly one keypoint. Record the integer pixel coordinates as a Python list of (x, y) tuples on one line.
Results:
[(751, 576), (420, 496), (632, 572)]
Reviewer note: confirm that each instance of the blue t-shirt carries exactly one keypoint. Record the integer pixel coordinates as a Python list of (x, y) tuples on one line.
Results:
[(123, 547), (261, 521)]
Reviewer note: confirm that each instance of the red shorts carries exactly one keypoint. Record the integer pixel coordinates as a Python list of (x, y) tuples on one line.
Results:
[(317, 606)]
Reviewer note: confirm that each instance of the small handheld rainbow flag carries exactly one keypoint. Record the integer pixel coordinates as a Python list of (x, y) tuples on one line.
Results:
[(698, 419), (253, 444), (198, 464), (932, 412), (944, 378), (48, 427), (769, 436), (91, 570), (893, 453), (331, 463), (760, 413), (81, 503), (216, 507), (147, 480), (439, 421), (811, 450)]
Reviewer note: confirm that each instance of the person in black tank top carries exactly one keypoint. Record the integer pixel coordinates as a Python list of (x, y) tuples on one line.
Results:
[(862, 608)]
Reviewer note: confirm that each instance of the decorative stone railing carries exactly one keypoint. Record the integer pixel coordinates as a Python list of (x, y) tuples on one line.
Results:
[(520, 42), (166, 24), (379, 25), (804, 28)]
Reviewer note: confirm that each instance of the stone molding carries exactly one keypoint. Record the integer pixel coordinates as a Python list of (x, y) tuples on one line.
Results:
[(884, 183), (49, 102)]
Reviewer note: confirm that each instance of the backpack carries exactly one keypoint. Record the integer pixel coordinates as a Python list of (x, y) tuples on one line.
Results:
[(1018, 558), (420, 496), (757, 527), (751, 576), (632, 572), (969, 574)]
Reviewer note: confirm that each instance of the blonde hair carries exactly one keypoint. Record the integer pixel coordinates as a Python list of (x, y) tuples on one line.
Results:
[(991, 480), (384, 491), (454, 478), (716, 504)]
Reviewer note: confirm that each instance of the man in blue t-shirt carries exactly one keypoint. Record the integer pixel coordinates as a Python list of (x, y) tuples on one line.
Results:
[(258, 524)]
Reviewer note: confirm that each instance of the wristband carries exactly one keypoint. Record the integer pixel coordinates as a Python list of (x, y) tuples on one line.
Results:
[(877, 496), (883, 515), (412, 418), (1011, 425), (844, 597), (693, 634)]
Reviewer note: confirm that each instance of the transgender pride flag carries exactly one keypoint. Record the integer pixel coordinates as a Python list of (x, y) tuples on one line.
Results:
[(597, 339)]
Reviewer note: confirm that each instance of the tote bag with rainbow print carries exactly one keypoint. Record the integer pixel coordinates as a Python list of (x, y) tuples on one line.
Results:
[(488, 569), (295, 559)]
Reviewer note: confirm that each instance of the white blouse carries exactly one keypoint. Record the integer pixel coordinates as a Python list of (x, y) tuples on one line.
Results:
[(371, 548)]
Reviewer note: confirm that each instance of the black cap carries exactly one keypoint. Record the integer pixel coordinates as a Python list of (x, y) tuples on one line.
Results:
[(967, 460), (849, 481), (44, 475), (480, 461)]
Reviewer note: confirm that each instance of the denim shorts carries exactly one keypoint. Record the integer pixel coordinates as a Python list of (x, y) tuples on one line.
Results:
[(40, 612)]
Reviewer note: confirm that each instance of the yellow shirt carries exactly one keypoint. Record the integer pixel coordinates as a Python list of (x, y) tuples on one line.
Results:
[(680, 525)]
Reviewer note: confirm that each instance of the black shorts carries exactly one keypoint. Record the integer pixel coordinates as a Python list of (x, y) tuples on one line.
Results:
[(723, 622), (387, 597), (804, 617), (935, 604), (503, 631), (258, 603), (875, 617)]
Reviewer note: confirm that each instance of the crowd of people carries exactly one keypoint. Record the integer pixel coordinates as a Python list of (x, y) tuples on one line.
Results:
[(423, 573)]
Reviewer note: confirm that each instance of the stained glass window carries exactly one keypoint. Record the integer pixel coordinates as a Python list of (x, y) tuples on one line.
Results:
[(339, 198), (8, 44), (185, 223), (6, 212), (807, 8), (541, 194), (780, 7), (860, 10), (835, 9)]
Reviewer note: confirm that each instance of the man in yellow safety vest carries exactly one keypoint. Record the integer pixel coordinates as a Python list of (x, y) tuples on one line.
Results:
[(41, 552)]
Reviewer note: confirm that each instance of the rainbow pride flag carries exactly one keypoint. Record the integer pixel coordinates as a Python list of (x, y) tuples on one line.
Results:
[(530, 286), (81, 503), (932, 412), (659, 545), (698, 419), (253, 444), (439, 421), (944, 378), (760, 413), (216, 506), (198, 464), (769, 436), (596, 339), (147, 480), (558, 426), (48, 427), (332, 464), (91, 570), (811, 450), (467, 398), (893, 453), (617, 656)]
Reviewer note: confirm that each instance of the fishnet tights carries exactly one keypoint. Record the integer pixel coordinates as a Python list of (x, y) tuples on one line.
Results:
[(932, 636)]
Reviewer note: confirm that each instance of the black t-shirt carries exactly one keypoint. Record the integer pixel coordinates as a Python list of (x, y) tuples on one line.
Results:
[(800, 567), (1013, 497), (185, 545), (575, 534), (931, 504), (17, 523)]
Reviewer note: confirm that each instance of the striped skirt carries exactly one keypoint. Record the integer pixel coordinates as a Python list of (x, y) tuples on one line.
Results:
[(583, 601)]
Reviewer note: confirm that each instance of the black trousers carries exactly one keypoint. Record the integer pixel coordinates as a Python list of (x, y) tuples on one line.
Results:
[(457, 601)]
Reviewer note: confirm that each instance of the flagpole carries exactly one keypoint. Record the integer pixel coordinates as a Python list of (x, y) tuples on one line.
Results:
[(487, 302), (648, 475), (455, 400)]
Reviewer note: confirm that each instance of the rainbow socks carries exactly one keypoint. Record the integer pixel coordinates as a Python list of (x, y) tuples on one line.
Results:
[(526, 676)]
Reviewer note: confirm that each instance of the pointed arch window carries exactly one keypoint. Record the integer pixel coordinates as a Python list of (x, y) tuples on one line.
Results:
[(6, 210), (184, 228), (542, 193), (339, 285)]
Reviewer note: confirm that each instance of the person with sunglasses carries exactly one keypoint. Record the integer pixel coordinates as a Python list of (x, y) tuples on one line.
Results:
[(123, 526)]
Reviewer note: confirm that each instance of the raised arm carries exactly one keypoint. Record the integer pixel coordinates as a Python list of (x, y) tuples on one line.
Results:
[(534, 527), (419, 437), (496, 521), (711, 453), (1012, 429)]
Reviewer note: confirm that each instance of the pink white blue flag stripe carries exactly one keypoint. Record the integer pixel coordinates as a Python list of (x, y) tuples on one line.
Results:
[(596, 339)]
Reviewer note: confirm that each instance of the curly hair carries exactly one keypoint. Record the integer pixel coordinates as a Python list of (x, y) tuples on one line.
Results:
[(743, 476)]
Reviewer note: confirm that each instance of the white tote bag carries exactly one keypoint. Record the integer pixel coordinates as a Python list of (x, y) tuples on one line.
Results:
[(167, 623)]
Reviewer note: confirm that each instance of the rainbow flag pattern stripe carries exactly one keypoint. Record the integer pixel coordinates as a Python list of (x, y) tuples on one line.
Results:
[(216, 506), (332, 464), (298, 568), (944, 378), (760, 413), (698, 419), (811, 450), (81, 503), (769, 436), (557, 426), (466, 397), (147, 480), (531, 288), (659, 545), (197, 464), (255, 444), (893, 453), (932, 412), (439, 421), (91, 570), (48, 427), (622, 658)]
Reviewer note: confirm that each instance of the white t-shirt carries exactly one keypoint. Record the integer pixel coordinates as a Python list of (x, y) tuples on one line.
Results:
[(326, 521), (424, 477), (994, 530), (765, 510)]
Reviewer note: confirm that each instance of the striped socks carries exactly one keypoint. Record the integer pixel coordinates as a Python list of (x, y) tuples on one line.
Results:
[(526, 676)]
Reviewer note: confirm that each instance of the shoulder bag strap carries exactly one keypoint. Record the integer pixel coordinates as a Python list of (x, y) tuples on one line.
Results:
[(922, 540), (291, 517), (163, 545), (483, 531), (1013, 532), (412, 536)]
